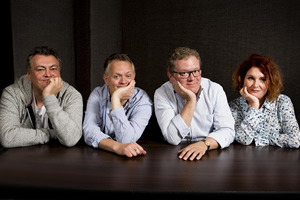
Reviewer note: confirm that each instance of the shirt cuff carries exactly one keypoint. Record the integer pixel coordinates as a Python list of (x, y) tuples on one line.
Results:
[(181, 126)]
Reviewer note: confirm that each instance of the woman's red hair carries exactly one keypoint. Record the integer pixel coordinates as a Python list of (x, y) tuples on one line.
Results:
[(268, 67)]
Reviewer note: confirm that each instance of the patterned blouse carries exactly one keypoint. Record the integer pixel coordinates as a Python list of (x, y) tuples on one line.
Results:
[(274, 123)]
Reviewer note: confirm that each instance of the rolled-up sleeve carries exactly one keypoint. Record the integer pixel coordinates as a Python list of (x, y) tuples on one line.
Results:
[(129, 124)]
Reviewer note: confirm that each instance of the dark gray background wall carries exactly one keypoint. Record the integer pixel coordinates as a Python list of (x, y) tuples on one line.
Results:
[(45, 22), (223, 31)]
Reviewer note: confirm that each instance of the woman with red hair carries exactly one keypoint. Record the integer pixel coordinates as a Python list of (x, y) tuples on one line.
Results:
[(262, 114)]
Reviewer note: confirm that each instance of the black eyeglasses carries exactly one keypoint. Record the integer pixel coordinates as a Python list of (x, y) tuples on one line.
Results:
[(185, 75)]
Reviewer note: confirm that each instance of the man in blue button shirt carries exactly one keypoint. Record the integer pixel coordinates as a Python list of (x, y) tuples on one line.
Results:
[(191, 108), (118, 112)]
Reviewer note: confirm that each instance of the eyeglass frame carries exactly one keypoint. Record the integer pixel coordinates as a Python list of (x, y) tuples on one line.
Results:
[(189, 72)]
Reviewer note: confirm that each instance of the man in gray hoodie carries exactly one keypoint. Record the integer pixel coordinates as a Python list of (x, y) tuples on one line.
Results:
[(40, 106)]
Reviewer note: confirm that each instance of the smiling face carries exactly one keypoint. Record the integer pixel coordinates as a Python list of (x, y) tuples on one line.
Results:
[(189, 64), (42, 68), (120, 74), (255, 81)]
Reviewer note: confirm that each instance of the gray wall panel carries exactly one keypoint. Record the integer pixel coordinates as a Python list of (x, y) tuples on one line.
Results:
[(105, 35), (223, 32), (43, 22)]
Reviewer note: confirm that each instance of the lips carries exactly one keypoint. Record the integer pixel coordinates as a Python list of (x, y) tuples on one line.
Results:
[(192, 83), (255, 91)]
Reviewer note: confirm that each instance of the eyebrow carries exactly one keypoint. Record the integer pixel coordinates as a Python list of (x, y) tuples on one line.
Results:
[(188, 71), (250, 75), (253, 75), (116, 73), (46, 67)]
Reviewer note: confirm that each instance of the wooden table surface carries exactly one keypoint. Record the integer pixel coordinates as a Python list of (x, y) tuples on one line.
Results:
[(235, 171)]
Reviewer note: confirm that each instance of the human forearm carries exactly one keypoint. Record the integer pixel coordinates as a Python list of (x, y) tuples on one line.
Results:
[(289, 134), (109, 145), (129, 127), (115, 102), (129, 149), (247, 127), (66, 122), (15, 127), (175, 130), (212, 142), (21, 137), (172, 126), (188, 111)]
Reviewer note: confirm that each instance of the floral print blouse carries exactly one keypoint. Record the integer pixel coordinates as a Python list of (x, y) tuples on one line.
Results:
[(274, 123)]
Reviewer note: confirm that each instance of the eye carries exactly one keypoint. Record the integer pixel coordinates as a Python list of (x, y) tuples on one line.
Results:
[(128, 76), (40, 69), (183, 73), (116, 76), (263, 79), (54, 69)]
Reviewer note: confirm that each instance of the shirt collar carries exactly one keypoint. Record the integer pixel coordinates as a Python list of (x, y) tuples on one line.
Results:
[(197, 95)]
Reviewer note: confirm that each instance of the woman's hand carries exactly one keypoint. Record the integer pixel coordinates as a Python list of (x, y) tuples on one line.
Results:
[(251, 99)]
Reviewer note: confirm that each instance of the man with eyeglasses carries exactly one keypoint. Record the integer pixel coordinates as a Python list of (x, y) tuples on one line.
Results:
[(191, 108)]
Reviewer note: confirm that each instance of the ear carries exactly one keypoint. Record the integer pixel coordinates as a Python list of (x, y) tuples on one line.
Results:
[(28, 76), (105, 79), (170, 75)]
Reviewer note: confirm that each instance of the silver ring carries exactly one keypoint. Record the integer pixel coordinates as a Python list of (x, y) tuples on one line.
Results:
[(136, 149)]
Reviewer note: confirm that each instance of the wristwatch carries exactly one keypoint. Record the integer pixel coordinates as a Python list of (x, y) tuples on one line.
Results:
[(207, 144)]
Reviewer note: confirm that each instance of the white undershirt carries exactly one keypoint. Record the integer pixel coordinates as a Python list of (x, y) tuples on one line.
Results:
[(41, 118)]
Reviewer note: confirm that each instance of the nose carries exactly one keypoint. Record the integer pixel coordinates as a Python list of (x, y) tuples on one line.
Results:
[(122, 80), (256, 84), (191, 77), (47, 72)]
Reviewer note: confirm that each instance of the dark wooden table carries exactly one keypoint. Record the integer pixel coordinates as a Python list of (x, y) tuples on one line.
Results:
[(235, 172)]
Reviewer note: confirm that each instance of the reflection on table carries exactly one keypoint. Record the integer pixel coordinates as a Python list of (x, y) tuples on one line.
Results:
[(82, 170)]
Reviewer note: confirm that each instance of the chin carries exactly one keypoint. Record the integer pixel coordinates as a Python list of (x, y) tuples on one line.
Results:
[(193, 90), (257, 96)]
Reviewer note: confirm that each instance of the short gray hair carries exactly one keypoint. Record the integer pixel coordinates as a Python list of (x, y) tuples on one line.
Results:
[(179, 54), (43, 50), (117, 56)]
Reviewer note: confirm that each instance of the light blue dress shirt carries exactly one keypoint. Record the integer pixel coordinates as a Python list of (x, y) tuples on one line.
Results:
[(274, 123), (212, 116), (125, 124)]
